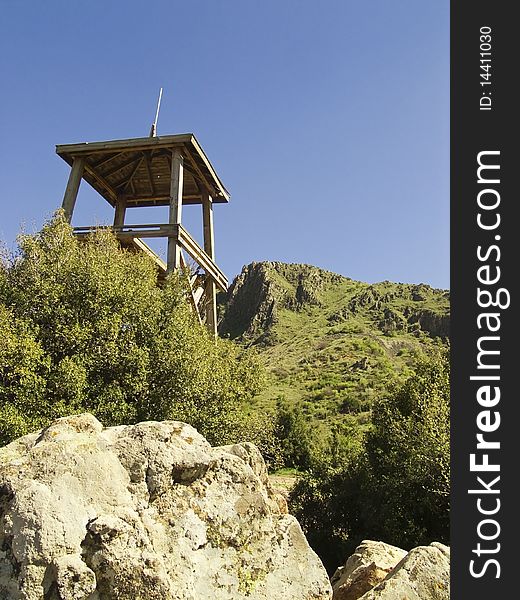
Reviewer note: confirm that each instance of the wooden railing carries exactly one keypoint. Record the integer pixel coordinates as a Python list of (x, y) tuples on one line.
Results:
[(165, 230)]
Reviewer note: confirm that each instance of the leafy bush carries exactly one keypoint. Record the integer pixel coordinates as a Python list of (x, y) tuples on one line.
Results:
[(85, 327), (394, 486), (294, 435)]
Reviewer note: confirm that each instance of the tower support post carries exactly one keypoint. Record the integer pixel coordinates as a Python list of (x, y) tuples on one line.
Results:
[(176, 183), (119, 216), (71, 191), (209, 248)]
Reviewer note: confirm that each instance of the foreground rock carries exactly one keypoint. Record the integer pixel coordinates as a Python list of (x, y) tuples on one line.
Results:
[(378, 571), (145, 511), (370, 564)]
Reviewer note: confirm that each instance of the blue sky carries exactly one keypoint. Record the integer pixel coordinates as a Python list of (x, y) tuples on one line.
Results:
[(327, 121)]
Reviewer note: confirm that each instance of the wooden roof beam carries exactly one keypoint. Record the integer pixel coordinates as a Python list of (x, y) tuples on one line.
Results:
[(102, 182), (224, 193), (104, 161), (201, 177), (147, 161), (118, 168), (189, 199), (129, 180)]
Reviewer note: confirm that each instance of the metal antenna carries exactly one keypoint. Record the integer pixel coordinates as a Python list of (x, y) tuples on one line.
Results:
[(153, 130)]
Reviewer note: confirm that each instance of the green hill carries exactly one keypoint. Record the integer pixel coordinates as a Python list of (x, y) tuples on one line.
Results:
[(329, 343)]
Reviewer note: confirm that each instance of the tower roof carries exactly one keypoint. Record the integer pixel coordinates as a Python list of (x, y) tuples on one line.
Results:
[(138, 170)]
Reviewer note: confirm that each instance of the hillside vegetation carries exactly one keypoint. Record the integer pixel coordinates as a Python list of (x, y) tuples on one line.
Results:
[(331, 345)]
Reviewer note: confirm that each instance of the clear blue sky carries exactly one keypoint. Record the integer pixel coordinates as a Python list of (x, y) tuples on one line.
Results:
[(327, 121)]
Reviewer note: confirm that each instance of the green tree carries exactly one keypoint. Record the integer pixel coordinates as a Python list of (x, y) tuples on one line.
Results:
[(294, 435), (327, 498), (395, 485), (408, 456), (88, 329), (23, 370)]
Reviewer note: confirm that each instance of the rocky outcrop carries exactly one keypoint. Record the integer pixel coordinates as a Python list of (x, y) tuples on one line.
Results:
[(251, 303), (378, 571), (437, 325), (262, 288), (148, 511)]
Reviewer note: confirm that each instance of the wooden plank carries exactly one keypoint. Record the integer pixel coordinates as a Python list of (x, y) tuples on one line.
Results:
[(209, 166), (209, 248), (71, 191), (136, 168), (150, 233), (210, 305), (197, 295), (139, 244), (175, 215), (188, 168), (132, 231), (129, 227), (134, 244), (207, 220)]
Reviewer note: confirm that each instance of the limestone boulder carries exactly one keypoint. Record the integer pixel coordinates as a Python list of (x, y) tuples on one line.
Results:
[(148, 511), (370, 564)]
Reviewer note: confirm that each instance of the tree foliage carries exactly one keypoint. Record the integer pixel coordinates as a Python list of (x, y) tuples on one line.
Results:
[(394, 486), (85, 327), (294, 435), (408, 456)]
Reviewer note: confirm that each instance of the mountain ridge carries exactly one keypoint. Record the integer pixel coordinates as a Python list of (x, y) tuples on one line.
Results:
[(330, 343)]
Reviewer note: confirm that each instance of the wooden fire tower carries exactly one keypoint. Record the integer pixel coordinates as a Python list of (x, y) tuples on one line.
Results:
[(170, 170)]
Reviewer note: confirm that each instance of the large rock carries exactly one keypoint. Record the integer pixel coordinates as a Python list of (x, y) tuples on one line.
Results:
[(423, 574), (149, 511), (378, 571), (370, 564)]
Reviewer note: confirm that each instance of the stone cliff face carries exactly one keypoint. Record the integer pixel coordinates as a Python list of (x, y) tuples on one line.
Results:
[(145, 511), (435, 324), (261, 289), (251, 303)]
